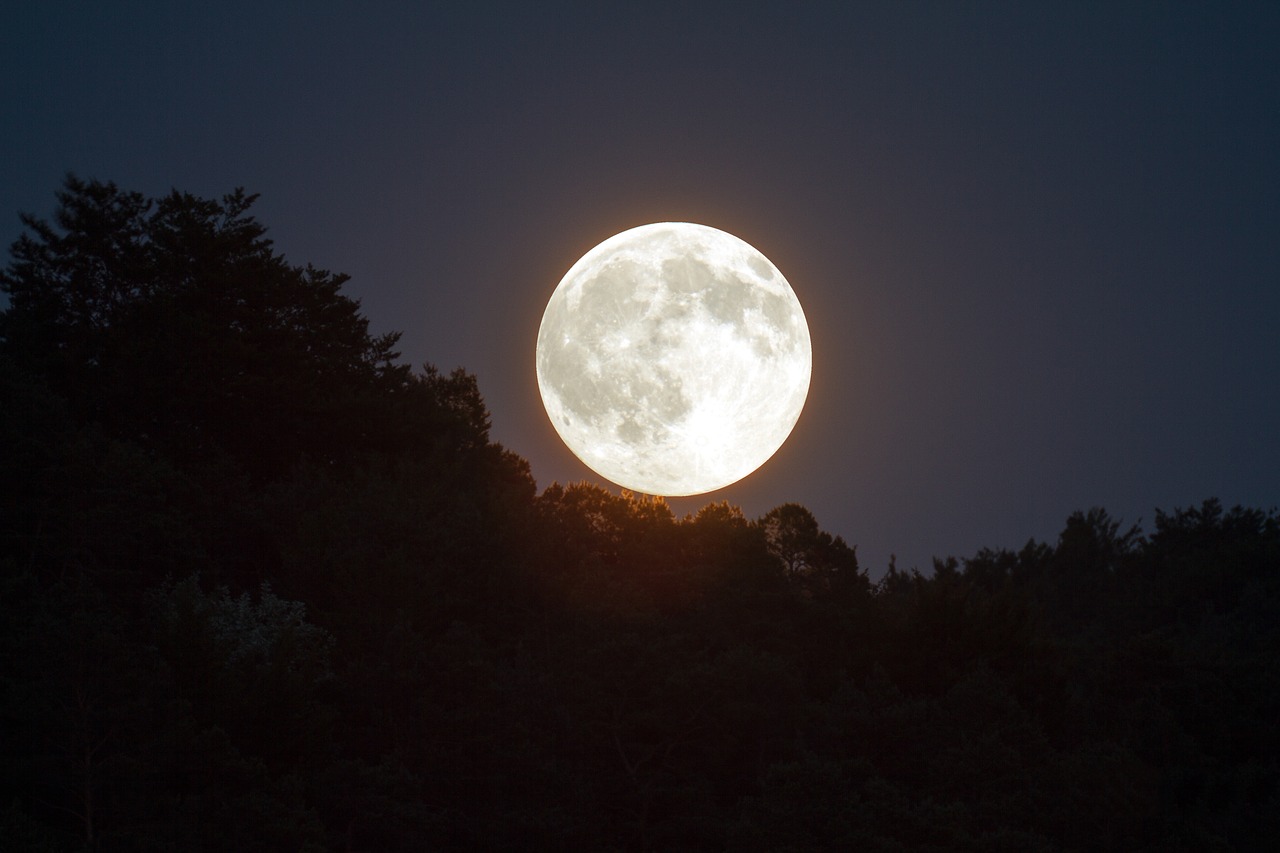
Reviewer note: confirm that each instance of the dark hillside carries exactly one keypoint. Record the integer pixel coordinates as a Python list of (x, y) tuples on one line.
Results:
[(262, 588)]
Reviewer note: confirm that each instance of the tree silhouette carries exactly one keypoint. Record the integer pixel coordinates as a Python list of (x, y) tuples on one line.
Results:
[(174, 324)]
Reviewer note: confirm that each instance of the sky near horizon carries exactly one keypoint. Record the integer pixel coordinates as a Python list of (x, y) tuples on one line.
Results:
[(1038, 244)]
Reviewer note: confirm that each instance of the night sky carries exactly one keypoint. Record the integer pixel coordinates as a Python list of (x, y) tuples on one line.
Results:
[(1038, 244)]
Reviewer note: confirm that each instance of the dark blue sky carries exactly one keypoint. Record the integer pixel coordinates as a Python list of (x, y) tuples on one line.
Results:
[(1038, 244)]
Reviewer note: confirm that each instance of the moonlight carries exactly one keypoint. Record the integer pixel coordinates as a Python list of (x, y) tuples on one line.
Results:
[(673, 359)]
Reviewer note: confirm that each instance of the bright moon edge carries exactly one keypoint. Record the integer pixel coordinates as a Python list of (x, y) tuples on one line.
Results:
[(673, 359)]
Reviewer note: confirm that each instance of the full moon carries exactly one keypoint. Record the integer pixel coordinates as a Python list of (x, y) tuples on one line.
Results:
[(673, 359)]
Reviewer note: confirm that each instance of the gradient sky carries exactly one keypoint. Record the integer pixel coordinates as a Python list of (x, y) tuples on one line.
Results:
[(1038, 244)]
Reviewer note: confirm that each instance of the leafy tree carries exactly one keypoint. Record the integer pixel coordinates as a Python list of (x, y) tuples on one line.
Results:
[(1080, 581), (806, 551), (174, 324)]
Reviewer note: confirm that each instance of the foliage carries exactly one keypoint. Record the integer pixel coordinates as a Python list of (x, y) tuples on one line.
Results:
[(261, 588), (173, 324)]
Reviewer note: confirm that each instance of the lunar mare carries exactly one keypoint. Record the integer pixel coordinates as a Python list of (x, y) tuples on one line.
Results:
[(673, 359)]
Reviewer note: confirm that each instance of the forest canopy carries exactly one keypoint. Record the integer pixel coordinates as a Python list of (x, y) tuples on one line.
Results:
[(263, 587)]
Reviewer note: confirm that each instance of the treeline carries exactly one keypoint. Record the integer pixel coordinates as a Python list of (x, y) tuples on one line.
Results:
[(263, 588)]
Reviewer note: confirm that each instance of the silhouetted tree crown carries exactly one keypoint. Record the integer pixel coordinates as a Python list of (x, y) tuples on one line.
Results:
[(173, 323)]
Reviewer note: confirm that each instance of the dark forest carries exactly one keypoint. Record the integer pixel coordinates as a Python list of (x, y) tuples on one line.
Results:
[(262, 587)]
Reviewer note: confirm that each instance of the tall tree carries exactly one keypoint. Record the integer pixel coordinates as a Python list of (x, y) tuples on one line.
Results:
[(173, 323)]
